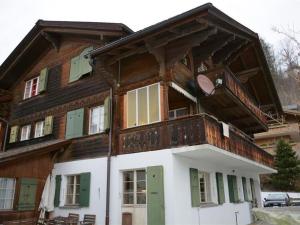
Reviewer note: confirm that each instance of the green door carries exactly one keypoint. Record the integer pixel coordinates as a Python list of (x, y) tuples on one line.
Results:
[(155, 196)]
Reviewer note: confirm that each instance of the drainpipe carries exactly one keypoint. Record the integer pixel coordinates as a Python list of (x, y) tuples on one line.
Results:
[(109, 161), (6, 132), (108, 168)]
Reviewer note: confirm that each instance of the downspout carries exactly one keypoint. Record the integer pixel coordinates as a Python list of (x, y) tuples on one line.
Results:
[(109, 161), (108, 168), (6, 132)]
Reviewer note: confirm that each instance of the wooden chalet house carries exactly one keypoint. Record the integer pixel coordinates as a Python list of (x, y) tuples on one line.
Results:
[(118, 120)]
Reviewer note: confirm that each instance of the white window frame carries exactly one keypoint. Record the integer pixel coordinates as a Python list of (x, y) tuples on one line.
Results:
[(27, 129), (134, 187), (13, 194), (207, 187), (101, 125), (176, 110), (30, 82), (137, 108), (74, 191), (36, 134)]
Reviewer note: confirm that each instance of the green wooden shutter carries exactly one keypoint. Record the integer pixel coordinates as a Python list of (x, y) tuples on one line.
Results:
[(194, 182), (85, 66), (57, 190), (74, 69), (220, 188), (107, 114), (80, 65), (252, 189), (75, 123), (43, 80), (155, 196), (84, 197), (230, 188), (245, 189), (13, 134), (27, 194), (48, 125)]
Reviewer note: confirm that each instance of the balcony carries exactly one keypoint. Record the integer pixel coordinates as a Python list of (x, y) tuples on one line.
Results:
[(233, 104), (189, 131)]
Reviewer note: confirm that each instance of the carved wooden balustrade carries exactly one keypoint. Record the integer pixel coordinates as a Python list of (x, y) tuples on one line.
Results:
[(235, 86), (187, 131)]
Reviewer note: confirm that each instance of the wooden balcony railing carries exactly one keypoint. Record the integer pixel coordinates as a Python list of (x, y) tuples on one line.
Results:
[(188, 131), (237, 88)]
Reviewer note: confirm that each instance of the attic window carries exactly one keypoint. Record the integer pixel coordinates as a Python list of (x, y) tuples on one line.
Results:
[(31, 88)]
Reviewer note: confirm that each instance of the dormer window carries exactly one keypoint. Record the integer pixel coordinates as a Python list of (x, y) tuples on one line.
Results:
[(31, 88)]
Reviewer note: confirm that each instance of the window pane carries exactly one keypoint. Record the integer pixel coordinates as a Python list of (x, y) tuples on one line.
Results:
[(140, 175), (96, 120), (141, 198), (39, 129), (131, 104), (181, 112), (27, 89), (128, 176), (7, 190), (128, 198), (142, 106), (153, 103), (128, 186), (34, 87), (141, 186)]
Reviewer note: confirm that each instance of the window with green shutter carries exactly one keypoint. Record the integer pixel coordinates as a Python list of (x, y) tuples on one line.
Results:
[(74, 127), (28, 188), (194, 183), (244, 182), (233, 189), (57, 190), (80, 65), (107, 109), (48, 125), (43, 80), (13, 134), (84, 193), (252, 189), (220, 188)]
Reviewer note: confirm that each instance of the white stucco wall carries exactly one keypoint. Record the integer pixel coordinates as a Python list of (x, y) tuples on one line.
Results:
[(97, 168), (178, 208)]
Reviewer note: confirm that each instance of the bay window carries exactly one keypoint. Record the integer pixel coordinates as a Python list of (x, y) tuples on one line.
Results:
[(143, 105), (31, 88), (7, 192)]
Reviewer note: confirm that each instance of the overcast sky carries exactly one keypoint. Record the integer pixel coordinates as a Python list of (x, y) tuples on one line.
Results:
[(17, 17)]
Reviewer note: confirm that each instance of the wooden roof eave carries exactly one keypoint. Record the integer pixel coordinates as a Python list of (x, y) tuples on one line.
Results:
[(33, 150)]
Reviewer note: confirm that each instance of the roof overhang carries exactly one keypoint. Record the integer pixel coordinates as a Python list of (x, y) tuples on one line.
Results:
[(220, 157), (47, 34), (33, 150), (207, 25)]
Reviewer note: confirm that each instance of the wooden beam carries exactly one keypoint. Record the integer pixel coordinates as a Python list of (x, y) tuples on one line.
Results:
[(245, 75), (176, 34), (54, 41), (209, 50), (128, 53), (223, 54), (176, 50)]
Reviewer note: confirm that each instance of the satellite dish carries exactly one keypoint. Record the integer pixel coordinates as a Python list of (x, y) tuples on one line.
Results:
[(205, 84)]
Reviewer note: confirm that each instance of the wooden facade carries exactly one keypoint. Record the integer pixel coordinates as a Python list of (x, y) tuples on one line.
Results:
[(170, 54)]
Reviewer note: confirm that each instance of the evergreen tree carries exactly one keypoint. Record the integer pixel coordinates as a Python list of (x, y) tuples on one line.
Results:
[(288, 166)]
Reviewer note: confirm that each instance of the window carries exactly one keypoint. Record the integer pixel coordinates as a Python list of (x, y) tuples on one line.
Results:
[(25, 132), (96, 124), (73, 190), (245, 191), (31, 88), (143, 106), (39, 129), (176, 113), (233, 189), (134, 187), (204, 187), (7, 192)]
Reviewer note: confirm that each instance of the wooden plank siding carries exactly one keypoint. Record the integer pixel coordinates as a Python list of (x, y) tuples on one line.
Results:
[(37, 167), (188, 131)]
